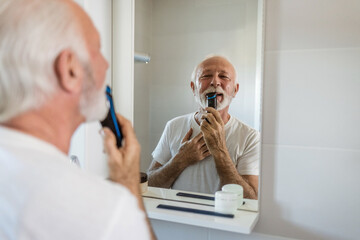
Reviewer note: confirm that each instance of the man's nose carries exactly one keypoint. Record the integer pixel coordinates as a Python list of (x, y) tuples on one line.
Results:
[(215, 81)]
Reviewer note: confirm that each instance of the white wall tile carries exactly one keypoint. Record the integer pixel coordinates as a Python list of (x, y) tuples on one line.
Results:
[(308, 24), (309, 193), (209, 17), (311, 98)]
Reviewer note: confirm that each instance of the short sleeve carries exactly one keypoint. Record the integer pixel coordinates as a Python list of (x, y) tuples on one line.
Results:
[(162, 152), (248, 162)]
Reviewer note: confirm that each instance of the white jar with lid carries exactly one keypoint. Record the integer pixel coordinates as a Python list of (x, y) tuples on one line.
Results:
[(225, 202), (237, 189)]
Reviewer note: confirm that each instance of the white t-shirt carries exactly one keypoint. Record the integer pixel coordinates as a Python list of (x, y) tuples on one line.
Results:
[(242, 141), (44, 196)]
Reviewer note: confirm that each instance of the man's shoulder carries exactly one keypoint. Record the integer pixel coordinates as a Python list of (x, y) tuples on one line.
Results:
[(93, 184), (239, 126), (57, 182), (54, 170)]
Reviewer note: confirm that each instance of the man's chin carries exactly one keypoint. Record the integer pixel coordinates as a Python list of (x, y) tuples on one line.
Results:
[(93, 116), (95, 112), (100, 115), (224, 104)]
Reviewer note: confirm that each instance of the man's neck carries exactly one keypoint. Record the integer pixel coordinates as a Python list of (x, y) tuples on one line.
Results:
[(47, 126)]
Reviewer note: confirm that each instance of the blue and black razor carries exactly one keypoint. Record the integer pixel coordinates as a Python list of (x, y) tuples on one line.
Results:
[(111, 121), (211, 100)]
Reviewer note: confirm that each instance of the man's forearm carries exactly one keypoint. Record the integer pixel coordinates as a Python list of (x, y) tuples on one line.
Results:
[(166, 175), (229, 174)]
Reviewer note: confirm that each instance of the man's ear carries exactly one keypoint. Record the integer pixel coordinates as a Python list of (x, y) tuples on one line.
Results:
[(236, 90), (69, 71), (192, 85)]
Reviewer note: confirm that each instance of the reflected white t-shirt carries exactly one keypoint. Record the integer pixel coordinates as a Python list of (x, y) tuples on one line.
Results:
[(44, 196), (242, 141)]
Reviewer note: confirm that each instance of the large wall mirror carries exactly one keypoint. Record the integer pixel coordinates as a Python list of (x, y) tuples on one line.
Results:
[(180, 34)]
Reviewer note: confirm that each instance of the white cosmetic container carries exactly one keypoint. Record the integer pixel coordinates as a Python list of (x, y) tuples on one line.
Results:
[(237, 189), (226, 202)]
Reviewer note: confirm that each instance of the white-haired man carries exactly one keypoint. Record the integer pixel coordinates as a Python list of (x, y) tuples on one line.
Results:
[(52, 78), (222, 150)]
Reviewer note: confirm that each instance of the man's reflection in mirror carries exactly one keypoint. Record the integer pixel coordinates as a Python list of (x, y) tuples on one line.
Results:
[(202, 151)]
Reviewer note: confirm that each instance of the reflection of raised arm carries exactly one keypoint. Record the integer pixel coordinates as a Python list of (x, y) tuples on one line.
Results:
[(190, 152), (214, 135)]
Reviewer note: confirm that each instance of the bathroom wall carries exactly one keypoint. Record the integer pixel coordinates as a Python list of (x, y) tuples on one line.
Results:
[(311, 115), (311, 147)]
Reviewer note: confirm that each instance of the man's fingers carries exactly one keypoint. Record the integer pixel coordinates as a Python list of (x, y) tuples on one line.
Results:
[(202, 141), (204, 148), (109, 141), (127, 130), (198, 137), (215, 113), (187, 136), (204, 126), (210, 118), (207, 153)]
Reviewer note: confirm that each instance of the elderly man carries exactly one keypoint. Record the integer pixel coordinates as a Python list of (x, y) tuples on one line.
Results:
[(52, 78), (205, 150)]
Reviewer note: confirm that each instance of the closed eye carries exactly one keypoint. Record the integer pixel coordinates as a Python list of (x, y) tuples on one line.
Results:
[(224, 77), (206, 76)]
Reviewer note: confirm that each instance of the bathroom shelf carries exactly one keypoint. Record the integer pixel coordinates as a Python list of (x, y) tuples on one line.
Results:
[(243, 222)]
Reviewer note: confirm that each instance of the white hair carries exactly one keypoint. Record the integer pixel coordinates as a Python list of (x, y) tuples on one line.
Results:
[(194, 76), (32, 34)]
